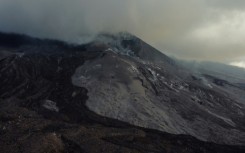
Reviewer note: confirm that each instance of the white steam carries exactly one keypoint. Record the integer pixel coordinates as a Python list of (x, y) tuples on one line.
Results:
[(199, 29)]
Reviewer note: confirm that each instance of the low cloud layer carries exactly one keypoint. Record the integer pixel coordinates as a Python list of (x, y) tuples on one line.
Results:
[(238, 64), (192, 29)]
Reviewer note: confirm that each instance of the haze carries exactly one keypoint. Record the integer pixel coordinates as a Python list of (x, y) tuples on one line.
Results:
[(211, 30)]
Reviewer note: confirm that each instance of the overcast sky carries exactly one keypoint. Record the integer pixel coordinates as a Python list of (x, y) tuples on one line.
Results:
[(211, 30)]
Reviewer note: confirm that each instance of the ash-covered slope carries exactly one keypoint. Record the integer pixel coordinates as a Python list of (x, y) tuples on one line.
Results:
[(56, 97), (148, 89)]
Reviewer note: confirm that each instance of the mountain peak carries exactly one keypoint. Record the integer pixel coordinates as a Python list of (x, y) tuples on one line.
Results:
[(114, 81)]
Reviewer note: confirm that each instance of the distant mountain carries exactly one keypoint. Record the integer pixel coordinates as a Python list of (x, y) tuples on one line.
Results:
[(114, 94), (232, 73)]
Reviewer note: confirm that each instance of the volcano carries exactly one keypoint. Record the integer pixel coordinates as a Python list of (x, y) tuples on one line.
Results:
[(115, 94)]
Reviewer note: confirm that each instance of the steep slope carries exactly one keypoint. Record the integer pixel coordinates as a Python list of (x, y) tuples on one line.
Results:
[(151, 90), (56, 97)]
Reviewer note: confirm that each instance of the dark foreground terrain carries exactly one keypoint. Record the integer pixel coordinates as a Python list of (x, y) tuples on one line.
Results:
[(42, 111)]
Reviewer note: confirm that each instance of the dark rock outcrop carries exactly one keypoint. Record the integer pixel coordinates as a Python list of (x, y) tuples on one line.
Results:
[(43, 110)]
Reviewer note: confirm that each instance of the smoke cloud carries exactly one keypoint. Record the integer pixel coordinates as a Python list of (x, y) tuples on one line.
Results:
[(192, 29)]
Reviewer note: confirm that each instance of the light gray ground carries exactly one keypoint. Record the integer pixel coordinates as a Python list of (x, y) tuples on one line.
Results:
[(162, 96)]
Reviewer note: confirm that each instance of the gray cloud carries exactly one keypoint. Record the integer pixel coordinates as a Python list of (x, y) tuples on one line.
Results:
[(227, 4), (191, 29)]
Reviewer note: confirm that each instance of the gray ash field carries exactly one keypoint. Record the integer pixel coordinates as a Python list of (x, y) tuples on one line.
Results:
[(114, 94)]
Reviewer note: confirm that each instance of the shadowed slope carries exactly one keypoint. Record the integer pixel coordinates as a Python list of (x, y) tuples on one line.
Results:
[(42, 111)]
